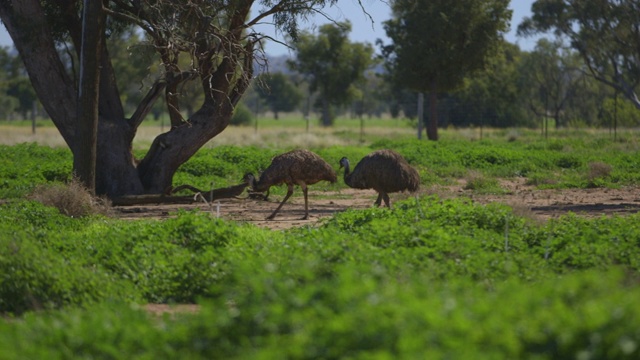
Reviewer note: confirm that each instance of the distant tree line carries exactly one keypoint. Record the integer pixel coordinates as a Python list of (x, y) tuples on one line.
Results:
[(563, 81)]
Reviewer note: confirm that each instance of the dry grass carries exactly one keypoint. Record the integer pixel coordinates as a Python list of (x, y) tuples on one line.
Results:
[(271, 136), (71, 199), (599, 170), (47, 136)]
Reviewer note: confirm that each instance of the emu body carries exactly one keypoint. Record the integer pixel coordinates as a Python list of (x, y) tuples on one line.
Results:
[(296, 167), (385, 171)]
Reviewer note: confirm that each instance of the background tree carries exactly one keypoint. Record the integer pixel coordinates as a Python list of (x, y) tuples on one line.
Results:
[(436, 44), (373, 100), (278, 92), (492, 97), (15, 88), (7, 103), (605, 33), (552, 74), (332, 65), (215, 36)]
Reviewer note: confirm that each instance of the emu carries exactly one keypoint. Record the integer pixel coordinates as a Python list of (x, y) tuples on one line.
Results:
[(385, 171), (296, 167)]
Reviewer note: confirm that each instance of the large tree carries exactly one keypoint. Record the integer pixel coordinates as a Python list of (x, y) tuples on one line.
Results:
[(606, 33), (332, 64), (437, 43), (215, 36)]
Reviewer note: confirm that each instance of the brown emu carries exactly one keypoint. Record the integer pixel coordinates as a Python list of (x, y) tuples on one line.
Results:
[(301, 167), (385, 171)]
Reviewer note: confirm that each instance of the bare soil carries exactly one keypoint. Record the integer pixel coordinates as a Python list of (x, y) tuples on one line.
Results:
[(540, 205)]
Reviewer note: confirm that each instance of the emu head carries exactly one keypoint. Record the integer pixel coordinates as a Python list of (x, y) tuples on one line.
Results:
[(250, 180), (344, 162)]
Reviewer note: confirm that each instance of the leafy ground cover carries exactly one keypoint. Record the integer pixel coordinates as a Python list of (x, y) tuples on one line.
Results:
[(433, 278)]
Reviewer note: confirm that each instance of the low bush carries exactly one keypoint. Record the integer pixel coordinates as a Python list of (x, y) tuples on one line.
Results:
[(360, 313), (71, 199)]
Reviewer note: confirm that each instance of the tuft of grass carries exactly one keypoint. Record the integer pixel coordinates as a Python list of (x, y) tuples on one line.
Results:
[(479, 183), (598, 170), (71, 199)]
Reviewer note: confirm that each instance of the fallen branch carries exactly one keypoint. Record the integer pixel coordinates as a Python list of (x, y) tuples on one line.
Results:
[(166, 198)]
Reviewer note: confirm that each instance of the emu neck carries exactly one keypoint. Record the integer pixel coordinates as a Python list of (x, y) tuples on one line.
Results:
[(256, 185), (346, 169)]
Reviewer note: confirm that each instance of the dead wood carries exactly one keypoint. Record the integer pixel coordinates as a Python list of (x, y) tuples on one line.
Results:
[(167, 198)]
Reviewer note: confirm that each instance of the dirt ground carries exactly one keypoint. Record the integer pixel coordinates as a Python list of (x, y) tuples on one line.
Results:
[(526, 201)]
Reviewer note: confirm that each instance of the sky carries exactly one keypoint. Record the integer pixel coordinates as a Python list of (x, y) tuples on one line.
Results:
[(363, 29)]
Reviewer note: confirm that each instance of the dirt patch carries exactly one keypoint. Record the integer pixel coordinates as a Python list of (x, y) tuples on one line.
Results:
[(526, 200), (545, 204), (255, 211)]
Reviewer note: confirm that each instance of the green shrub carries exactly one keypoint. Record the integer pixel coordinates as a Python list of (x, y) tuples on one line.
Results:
[(241, 116), (360, 313), (35, 278)]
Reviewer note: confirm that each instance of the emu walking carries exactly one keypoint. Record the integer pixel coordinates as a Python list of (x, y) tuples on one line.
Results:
[(301, 167), (385, 171)]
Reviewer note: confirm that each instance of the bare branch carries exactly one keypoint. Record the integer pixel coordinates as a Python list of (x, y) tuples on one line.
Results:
[(146, 104)]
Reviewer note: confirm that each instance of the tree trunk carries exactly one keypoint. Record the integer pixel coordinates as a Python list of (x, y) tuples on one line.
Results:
[(84, 159), (432, 126), (420, 114), (326, 113), (116, 172)]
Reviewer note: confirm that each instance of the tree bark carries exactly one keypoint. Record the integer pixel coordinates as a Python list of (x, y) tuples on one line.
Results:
[(420, 114), (326, 113), (27, 26), (84, 159), (432, 126)]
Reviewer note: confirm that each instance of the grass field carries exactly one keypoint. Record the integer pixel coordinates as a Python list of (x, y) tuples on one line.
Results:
[(293, 130)]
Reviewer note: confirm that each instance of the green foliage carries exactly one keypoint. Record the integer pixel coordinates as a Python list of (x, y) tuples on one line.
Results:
[(619, 113), (558, 163), (242, 116), (598, 31), (333, 64), (224, 165), (398, 283), (458, 40), (24, 166), (38, 268), (279, 92)]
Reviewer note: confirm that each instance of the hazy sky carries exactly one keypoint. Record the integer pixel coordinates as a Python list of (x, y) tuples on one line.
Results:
[(363, 30)]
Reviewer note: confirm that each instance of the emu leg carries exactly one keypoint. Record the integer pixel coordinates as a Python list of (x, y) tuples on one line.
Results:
[(387, 202), (289, 192), (378, 200), (306, 205)]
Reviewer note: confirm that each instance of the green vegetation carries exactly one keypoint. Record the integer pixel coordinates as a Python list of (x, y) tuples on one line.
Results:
[(570, 160), (432, 278)]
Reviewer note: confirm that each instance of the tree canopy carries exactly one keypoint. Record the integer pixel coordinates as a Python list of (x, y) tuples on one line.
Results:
[(332, 65), (278, 92), (436, 44), (605, 33)]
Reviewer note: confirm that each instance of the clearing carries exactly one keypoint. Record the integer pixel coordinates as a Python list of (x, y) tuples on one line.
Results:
[(526, 201)]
